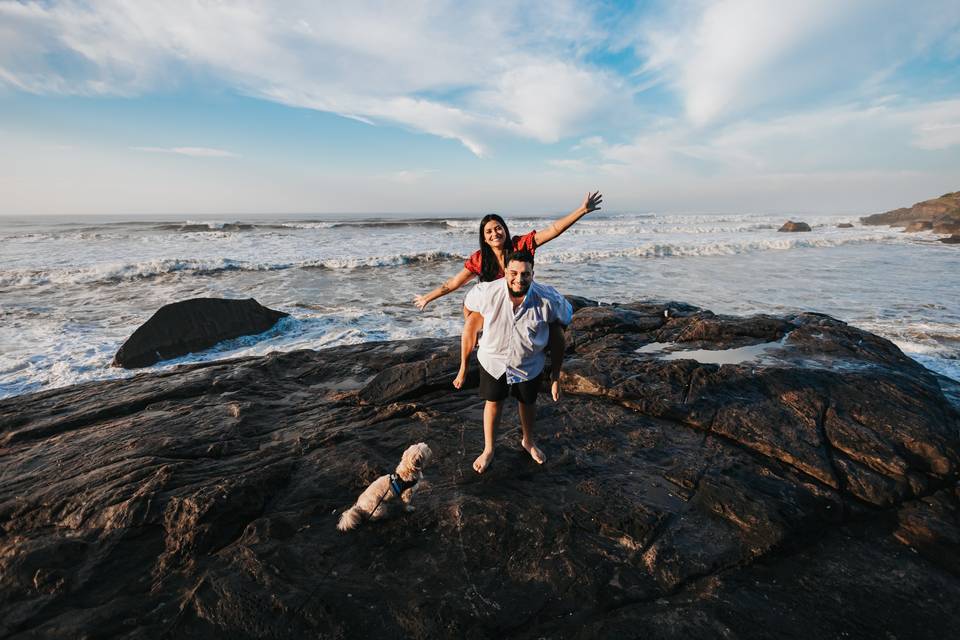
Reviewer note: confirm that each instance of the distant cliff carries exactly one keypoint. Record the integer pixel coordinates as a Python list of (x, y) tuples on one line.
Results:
[(945, 209)]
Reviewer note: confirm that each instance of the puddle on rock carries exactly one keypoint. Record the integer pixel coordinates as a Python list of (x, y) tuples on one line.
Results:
[(755, 353)]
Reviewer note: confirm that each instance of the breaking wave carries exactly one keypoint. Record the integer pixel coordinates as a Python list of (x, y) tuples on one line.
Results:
[(119, 272)]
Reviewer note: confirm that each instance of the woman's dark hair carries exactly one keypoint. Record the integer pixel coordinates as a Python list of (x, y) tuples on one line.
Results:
[(489, 267)]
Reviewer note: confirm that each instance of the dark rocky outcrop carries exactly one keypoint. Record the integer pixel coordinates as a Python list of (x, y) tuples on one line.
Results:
[(790, 225), (193, 325), (946, 206), (918, 225), (809, 491), (954, 239), (844, 225)]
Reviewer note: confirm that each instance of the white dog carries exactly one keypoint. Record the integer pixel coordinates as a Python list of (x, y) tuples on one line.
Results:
[(373, 503)]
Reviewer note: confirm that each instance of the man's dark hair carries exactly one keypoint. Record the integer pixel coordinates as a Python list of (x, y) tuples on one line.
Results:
[(520, 256)]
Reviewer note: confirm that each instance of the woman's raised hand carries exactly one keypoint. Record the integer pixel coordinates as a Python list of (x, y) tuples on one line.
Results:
[(421, 302), (592, 202)]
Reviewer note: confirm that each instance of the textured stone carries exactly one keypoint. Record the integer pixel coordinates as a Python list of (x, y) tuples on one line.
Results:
[(807, 491)]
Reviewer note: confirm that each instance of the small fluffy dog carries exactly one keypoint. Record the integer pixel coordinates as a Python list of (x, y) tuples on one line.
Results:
[(374, 502)]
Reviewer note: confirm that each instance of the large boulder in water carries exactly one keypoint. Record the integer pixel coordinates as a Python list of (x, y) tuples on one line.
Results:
[(805, 489), (790, 225), (193, 325)]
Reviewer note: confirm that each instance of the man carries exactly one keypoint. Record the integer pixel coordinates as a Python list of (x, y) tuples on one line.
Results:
[(519, 316)]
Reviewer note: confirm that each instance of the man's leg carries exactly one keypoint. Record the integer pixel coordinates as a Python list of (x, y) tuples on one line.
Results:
[(528, 419), (491, 420)]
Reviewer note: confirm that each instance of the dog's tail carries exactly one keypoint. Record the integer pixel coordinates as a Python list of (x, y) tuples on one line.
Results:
[(350, 518)]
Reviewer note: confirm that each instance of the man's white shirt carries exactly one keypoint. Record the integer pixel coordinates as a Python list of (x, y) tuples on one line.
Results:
[(514, 341)]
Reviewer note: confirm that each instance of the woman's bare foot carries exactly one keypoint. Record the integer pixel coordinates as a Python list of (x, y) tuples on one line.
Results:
[(534, 451), (461, 376), (483, 461)]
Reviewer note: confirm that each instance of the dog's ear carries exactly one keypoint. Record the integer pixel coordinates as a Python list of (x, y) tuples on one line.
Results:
[(412, 456)]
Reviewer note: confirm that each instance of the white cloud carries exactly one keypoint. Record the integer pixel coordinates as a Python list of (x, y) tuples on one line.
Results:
[(196, 152), (569, 164), (590, 142), (849, 140), (411, 176), (936, 126), (465, 73), (547, 100), (727, 56)]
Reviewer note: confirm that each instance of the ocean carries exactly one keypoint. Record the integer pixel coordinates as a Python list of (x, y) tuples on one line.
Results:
[(72, 290)]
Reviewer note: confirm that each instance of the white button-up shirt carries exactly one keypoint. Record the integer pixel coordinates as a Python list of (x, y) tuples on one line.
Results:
[(514, 341)]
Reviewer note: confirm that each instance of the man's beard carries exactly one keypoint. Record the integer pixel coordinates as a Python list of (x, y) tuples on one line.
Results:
[(522, 291)]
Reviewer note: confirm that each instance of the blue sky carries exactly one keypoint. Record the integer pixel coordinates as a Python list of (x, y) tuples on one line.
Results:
[(220, 108)]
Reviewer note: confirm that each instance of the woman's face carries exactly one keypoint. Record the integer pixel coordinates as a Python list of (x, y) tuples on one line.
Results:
[(493, 234)]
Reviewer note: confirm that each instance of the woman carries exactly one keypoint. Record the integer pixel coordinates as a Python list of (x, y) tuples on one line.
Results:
[(488, 263)]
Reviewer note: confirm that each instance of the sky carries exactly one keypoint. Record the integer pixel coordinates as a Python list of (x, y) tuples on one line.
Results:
[(200, 107)]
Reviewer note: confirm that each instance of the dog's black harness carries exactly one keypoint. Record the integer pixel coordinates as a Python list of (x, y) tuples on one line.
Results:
[(399, 485)]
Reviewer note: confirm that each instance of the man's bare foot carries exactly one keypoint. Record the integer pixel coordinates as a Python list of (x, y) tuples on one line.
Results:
[(534, 451), (483, 461), (461, 376)]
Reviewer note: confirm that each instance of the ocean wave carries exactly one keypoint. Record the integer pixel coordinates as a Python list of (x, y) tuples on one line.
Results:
[(118, 272), (390, 224), (202, 227), (629, 225), (125, 271), (621, 229), (722, 248), (306, 224), (918, 337), (396, 260), (109, 273)]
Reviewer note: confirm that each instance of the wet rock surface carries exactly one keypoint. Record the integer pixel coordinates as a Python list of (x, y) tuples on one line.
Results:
[(193, 325), (809, 491)]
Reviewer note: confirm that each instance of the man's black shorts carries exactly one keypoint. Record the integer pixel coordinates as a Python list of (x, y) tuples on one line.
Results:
[(497, 389)]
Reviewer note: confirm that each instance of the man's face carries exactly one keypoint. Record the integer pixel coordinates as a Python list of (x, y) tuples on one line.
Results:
[(519, 277)]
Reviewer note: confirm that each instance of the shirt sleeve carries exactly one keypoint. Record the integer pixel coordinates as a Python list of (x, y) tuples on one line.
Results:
[(473, 264), (474, 299), (560, 309), (526, 242)]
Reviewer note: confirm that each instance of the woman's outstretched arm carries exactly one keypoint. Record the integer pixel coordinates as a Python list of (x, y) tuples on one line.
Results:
[(590, 203), (450, 285)]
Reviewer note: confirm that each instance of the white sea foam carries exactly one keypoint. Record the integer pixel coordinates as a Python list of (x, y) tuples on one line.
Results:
[(720, 248), (307, 225), (107, 273), (72, 356)]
